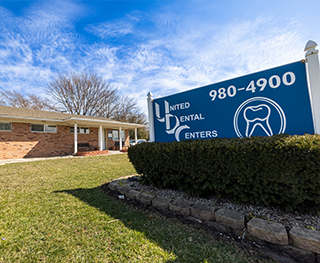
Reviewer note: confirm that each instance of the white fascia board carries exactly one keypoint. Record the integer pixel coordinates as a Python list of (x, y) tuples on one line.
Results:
[(99, 122), (85, 121), (29, 118)]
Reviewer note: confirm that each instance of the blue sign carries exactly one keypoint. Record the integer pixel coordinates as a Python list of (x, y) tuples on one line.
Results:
[(109, 135), (269, 102)]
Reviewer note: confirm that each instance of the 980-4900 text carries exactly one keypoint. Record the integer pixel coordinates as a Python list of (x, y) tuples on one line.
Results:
[(273, 82)]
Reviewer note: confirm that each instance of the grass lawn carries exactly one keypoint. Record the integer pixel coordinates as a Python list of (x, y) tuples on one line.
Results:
[(55, 211)]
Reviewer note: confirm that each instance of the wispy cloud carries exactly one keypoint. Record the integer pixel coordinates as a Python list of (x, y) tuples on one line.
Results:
[(111, 29), (35, 45), (175, 58), (163, 51)]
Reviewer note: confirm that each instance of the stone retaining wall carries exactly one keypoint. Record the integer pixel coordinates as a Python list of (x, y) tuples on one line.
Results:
[(300, 244)]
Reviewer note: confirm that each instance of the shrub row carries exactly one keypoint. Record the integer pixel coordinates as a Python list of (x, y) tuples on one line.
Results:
[(281, 170)]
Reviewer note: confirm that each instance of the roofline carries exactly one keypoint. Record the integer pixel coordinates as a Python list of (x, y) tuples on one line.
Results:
[(109, 122), (29, 118), (133, 125)]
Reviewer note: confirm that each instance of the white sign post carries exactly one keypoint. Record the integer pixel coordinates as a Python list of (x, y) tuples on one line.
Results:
[(314, 82), (151, 118)]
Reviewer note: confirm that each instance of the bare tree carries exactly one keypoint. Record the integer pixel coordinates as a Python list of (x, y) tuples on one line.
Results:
[(84, 94), (128, 111), (28, 101), (87, 94)]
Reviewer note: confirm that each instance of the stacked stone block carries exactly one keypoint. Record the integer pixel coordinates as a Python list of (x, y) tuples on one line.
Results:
[(303, 245)]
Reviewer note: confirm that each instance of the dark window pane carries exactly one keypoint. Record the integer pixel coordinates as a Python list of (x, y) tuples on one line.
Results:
[(4, 126), (37, 127)]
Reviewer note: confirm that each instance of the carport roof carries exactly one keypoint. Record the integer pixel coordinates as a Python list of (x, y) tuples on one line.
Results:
[(24, 115)]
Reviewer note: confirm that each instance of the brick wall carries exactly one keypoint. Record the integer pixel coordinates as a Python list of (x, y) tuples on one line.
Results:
[(22, 143)]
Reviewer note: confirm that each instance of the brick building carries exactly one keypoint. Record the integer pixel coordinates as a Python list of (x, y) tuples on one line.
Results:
[(26, 133)]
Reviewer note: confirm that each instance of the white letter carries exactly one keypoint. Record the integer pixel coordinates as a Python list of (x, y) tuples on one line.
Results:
[(214, 133)]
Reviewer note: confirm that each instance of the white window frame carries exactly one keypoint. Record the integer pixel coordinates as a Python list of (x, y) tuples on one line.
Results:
[(80, 130), (45, 128), (117, 131), (6, 123), (114, 138), (123, 135)]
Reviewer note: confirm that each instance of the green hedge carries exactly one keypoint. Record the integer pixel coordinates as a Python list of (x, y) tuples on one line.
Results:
[(281, 170)]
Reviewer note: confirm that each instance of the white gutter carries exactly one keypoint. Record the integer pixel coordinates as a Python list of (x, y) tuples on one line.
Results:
[(29, 118), (117, 123), (107, 122)]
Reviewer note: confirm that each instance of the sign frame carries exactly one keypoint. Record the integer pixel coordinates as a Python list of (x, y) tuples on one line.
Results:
[(161, 112)]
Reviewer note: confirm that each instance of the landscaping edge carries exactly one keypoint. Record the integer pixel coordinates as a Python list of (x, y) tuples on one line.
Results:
[(300, 244)]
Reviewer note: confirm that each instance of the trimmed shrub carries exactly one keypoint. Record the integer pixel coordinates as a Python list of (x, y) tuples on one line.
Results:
[(281, 170)]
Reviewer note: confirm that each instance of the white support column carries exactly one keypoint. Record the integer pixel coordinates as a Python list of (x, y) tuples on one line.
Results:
[(135, 136), (313, 71), (151, 118), (120, 139), (100, 138), (75, 138)]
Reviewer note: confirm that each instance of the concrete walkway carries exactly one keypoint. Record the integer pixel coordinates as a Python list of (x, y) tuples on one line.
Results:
[(2, 162)]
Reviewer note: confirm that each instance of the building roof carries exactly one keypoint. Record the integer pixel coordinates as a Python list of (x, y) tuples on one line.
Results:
[(29, 115)]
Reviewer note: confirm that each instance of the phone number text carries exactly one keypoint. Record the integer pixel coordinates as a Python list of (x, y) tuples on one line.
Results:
[(273, 82)]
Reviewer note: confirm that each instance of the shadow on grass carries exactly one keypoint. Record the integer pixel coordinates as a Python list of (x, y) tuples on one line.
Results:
[(171, 238)]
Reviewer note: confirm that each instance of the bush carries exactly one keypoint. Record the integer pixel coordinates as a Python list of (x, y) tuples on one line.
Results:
[(281, 170)]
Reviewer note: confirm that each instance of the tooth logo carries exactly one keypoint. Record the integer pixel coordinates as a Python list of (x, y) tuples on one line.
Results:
[(263, 121), (259, 115)]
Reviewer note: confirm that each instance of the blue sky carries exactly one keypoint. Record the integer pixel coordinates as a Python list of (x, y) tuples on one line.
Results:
[(159, 46)]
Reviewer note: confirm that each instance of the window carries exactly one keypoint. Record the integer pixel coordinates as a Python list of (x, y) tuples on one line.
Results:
[(84, 130), (80, 130), (115, 135), (50, 128), (37, 128), (5, 126), (43, 128), (122, 135)]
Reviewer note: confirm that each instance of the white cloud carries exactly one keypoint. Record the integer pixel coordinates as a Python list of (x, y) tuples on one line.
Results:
[(36, 45), (191, 58), (161, 51), (116, 28), (111, 29)]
